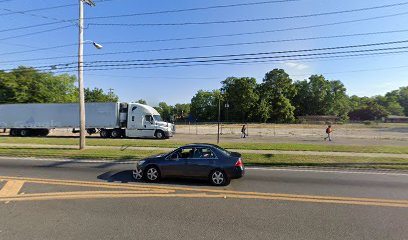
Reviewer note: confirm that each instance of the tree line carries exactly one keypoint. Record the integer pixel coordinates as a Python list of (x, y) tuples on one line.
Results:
[(277, 99), (28, 85)]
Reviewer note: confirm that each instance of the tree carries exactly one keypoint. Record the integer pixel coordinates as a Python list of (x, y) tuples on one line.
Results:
[(182, 110), (165, 111), (369, 110), (204, 105), (276, 90), (28, 85), (98, 95), (142, 101), (319, 96), (241, 95), (403, 98), (390, 103)]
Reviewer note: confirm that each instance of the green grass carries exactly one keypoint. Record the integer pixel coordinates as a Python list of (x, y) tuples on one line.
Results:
[(249, 158), (229, 145)]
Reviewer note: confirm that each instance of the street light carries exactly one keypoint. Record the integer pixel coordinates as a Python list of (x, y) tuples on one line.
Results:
[(96, 45), (81, 71)]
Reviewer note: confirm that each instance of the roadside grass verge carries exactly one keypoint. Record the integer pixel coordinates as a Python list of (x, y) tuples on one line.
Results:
[(328, 147), (249, 158)]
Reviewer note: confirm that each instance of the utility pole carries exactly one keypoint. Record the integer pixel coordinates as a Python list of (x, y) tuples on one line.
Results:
[(219, 114), (81, 78), (110, 93), (82, 120)]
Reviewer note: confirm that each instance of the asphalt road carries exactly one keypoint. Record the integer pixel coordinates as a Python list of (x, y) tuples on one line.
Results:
[(72, 200)]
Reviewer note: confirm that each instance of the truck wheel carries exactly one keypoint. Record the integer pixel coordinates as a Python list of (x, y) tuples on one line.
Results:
[(116, 133), (160, 134), (24, 132), (13, 132), (44, 132), (104, 133), (91, 131)]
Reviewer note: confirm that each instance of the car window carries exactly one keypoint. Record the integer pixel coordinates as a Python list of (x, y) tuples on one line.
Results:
[(186, 153), (203, 153)]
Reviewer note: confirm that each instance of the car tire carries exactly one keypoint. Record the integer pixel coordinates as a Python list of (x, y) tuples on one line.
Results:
[(160, 134), (152, 174), (104, 133), (137, 174), (219, 178), (116, 133)]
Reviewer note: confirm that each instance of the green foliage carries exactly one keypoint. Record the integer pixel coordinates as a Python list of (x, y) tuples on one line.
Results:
[(166, 111), (369, 109), (142, 101), (28, 85), (275, 92), (98, 95), (204, 105), (181, 110), (319, 96), (241, 96)]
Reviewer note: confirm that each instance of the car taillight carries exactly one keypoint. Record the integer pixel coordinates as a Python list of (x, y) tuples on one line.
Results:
[(239, 163)]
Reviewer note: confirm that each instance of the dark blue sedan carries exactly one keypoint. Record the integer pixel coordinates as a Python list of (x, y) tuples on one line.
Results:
[(204, 161)]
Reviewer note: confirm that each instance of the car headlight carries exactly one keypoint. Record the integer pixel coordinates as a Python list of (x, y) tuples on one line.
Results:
[(141, 162)]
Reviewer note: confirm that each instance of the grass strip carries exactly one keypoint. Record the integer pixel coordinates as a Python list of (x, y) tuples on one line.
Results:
[(249, 158), (229, 145)]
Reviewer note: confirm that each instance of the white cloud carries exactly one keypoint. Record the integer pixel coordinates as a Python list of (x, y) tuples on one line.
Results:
[(296, 66)]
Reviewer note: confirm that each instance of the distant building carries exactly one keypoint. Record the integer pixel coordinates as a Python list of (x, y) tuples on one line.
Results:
[(396, 119)]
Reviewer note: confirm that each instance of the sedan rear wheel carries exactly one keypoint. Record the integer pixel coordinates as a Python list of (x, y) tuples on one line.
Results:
[(219, 178), (152, 174)]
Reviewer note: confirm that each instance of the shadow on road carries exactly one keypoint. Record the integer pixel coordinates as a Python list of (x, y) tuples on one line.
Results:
[(126, 177)]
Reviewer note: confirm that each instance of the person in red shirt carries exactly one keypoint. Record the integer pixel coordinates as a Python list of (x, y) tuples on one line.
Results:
[(329, 131)]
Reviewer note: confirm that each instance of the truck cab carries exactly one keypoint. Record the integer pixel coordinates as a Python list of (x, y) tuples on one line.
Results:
[(145, 121)]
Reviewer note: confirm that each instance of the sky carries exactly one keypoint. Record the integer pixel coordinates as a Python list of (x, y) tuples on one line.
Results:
[(44, 33)]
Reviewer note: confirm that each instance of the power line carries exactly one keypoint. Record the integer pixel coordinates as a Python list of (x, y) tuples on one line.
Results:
[(38, 25), (269, 31), (35, 33), (228, 35), (224, 58), (47, 8), (241, 62), (249, 20), (216, 45), (194, 9)]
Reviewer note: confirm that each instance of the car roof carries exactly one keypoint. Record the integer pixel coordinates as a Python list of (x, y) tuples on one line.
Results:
[(201, 145)]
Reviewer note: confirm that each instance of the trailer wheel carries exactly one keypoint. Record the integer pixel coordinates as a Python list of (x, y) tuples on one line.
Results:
[(24, 132), (116, 133), (104, 133), (13, 132), (44, 132)]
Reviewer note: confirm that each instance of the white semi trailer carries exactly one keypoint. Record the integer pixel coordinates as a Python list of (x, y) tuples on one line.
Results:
[(111, 120)]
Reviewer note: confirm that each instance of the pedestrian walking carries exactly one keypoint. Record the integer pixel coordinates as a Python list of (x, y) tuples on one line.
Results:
[(243, 131), (329, 131)]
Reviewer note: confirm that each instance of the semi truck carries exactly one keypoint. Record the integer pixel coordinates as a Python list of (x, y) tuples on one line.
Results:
[(110, 120)]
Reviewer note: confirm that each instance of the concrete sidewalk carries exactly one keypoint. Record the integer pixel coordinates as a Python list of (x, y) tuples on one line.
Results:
[(309, 153)]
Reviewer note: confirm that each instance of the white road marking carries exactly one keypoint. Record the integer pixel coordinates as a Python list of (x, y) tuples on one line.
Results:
[(368, 171)]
